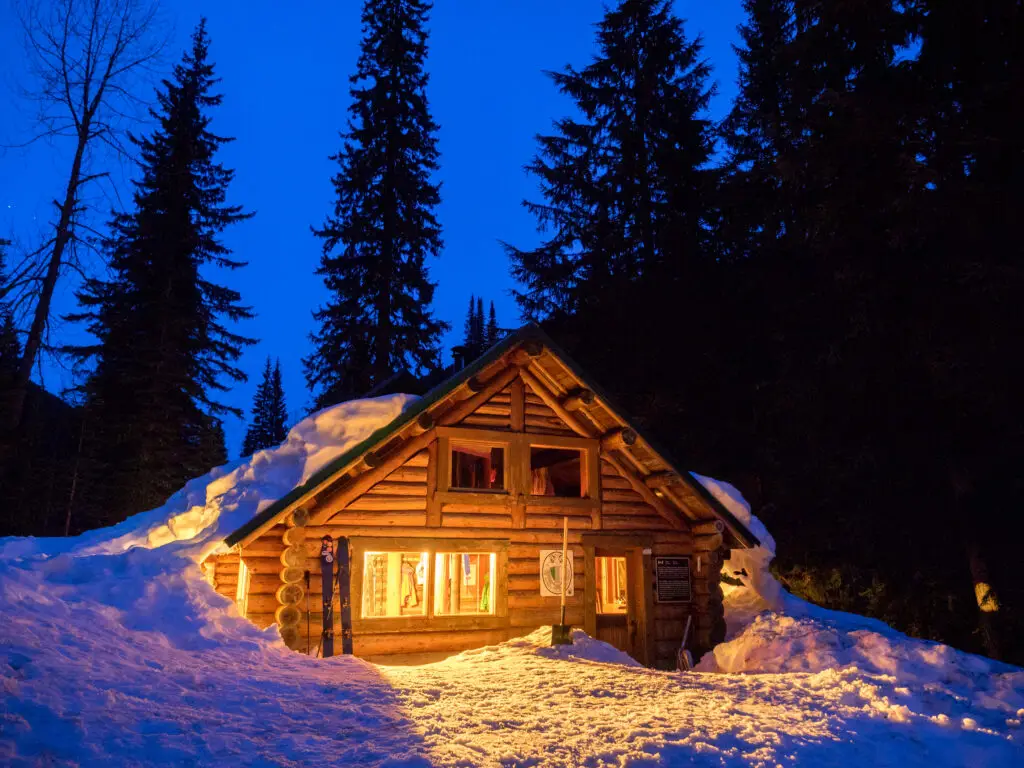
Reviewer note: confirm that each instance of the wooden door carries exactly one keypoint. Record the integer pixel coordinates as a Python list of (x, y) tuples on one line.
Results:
[(619, 597)]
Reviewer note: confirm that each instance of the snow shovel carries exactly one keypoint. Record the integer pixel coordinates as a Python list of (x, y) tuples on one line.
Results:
[(684, 659)]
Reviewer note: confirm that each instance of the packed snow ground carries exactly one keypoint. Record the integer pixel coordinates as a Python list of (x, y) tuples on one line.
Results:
[(114, 651)]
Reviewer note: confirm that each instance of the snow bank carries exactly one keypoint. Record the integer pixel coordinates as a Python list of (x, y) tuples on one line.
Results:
[(772, 631), (143, 573), (210, 507), (114, 651)]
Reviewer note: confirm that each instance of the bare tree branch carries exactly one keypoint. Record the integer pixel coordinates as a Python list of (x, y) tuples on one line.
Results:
[(83, 55)]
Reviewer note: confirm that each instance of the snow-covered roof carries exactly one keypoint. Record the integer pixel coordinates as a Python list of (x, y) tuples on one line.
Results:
[(689, 496)]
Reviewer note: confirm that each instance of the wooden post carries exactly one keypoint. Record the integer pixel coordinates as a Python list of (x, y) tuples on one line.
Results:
[(560, 633)]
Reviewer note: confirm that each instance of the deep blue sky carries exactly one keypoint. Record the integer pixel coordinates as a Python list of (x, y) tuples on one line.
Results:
[(284, 70)]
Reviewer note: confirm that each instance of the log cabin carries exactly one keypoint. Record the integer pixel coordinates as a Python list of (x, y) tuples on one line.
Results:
[(451, 512)]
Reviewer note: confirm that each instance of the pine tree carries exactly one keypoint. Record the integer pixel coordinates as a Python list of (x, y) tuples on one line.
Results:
[(626, 190), (163, 348), (269, 425), (492, 327), (469, 329), (383, 227), (478, 329), (757, 132)]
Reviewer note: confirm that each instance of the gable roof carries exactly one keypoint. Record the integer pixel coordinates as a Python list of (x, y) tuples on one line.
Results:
[(688, 495)]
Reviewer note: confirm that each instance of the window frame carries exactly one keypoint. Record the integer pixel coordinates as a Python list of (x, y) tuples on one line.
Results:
[(517, 472), (429, 621)]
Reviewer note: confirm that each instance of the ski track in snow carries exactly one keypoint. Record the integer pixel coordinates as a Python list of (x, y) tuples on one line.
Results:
[(114, 651)]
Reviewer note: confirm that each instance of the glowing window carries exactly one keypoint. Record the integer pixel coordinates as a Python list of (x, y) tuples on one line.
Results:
[(394, 584), (611, 584), (463, 583), (556, 472), (477, 466)]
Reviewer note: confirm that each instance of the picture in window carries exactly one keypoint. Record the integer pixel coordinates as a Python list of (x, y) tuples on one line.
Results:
[(556, 472), (394, 584), (478, 466), (611, 585), (463, 583)]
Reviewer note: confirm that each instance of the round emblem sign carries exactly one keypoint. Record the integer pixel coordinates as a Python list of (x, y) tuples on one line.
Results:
[(551, 574)]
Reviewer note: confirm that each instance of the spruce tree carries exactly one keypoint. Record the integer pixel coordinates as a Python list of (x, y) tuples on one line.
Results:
[(757, 132), (269, 425), (626, 191), (492, 327), (383, 227), (163, 348), (469, 328)]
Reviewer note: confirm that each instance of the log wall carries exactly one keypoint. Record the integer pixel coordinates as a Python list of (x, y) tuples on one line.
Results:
[(406, 504)]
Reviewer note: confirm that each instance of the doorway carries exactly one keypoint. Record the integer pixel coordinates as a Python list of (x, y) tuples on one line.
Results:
[(618, 598)]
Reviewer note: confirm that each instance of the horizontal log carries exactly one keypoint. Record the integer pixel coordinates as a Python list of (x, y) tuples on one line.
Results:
[(522, 600), (391, 487), (633, 522), (500, 508), (578, 522), (382, 519), (227, 557), (262, 603), (407, 474), (539, 617), (477, 419), (425, 642), (529, 582), (491, 408), (627, 495), (570, 507), (532, 551), (383, 503), (226, 579), (474, 520), (614, 482), (524, 536), (263, 565), (531, 566), (640, 509)]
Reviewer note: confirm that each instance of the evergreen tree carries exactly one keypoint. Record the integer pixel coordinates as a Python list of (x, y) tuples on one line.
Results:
[(469, 340), (479, 334), (383, 227), (626, 191), (757, 132), (269, 426), (163, 348), (492, 328)]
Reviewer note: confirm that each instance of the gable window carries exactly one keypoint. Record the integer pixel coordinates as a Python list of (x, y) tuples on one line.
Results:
[(463, 583), (394, 584), (477, 466), (556, 472)]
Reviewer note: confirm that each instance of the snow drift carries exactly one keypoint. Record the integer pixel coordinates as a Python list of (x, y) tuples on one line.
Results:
[(115, 651)]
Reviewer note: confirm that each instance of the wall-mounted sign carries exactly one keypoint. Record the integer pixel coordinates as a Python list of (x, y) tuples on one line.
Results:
[(672, 579), (551, 573)]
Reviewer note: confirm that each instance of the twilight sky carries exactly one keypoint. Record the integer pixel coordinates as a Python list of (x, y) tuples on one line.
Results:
[(284, 70)]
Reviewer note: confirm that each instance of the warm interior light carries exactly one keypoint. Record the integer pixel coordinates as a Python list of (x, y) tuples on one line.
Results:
[(394, 584)]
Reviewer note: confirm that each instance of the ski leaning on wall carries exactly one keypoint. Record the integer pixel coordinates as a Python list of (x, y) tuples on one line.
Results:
[(344, 582), (327, 591)]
